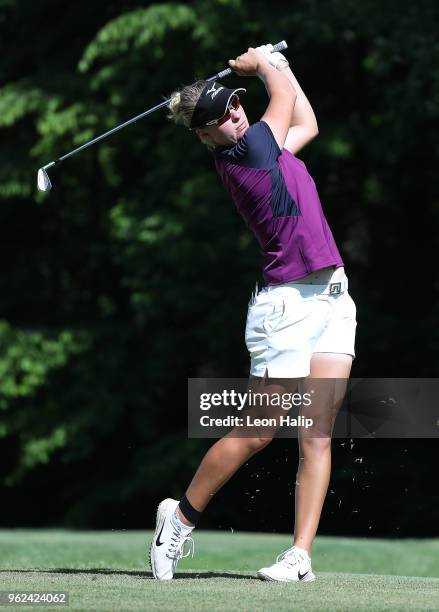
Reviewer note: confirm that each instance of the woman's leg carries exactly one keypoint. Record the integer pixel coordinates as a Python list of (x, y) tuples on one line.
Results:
[(314, 468), (225, 457)]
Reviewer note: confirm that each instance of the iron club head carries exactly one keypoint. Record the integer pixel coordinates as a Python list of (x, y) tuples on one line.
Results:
[(43, 180)]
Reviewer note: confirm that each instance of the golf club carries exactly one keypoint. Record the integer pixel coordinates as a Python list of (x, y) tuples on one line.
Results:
[(43, 180)]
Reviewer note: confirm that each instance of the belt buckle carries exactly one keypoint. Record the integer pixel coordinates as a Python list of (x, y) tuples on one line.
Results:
[(335, 289)]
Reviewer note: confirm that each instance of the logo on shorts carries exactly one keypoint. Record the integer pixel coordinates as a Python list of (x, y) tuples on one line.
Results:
[(334, 288)]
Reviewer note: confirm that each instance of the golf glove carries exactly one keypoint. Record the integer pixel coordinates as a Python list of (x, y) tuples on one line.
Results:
[(272, 58)]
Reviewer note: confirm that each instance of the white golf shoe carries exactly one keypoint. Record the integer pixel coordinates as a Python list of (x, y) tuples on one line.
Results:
[(293, 565), (169, 539)]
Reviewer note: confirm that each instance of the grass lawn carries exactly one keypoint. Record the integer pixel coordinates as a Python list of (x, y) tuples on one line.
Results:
[(108, 571)]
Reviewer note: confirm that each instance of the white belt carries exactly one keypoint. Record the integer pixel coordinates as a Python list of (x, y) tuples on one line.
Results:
[(332, 288), (305, 289)]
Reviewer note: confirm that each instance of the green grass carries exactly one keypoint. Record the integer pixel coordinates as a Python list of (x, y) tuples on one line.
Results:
[(107, 571)]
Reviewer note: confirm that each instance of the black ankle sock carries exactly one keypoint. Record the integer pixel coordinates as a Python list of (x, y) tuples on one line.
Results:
[(192, 515)]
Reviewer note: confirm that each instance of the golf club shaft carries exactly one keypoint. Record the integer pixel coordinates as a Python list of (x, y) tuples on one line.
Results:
[(278, 47)]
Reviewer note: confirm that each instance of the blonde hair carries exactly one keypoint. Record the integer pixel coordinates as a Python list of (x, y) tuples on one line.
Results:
[(182, 104)]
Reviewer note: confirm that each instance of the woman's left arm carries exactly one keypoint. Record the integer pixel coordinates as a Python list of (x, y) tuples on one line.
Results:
[(304, 123)]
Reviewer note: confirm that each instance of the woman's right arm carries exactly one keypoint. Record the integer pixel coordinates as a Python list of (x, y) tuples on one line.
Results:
[(283, 97), (280, 90), (304, 125)]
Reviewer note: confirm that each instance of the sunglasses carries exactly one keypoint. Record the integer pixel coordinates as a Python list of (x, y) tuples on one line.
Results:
[(234, 104)]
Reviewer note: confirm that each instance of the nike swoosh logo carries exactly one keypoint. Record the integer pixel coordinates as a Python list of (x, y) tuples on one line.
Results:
[(300, 576), (157, 542)]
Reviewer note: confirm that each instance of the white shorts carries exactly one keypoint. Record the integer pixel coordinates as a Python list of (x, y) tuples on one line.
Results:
[(287, 323)]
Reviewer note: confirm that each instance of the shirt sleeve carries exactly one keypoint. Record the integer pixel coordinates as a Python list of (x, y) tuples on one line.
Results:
[(256, 149)]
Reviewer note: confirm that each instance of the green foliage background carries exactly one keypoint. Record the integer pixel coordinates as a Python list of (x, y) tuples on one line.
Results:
[(134, 273)]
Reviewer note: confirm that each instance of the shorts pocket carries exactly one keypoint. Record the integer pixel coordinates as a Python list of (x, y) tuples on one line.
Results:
[(274, 316), (263, 317)]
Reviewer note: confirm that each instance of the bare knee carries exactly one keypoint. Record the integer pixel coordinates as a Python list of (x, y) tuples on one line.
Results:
[(254, 445)]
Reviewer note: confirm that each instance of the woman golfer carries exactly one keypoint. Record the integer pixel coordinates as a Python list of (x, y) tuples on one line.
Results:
[(301, 326)]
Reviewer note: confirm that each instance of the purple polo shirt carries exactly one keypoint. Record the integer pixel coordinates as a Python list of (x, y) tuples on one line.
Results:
[(278, 200)]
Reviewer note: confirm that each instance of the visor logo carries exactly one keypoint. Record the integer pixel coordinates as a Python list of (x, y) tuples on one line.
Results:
[(213, 91)]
